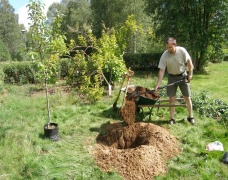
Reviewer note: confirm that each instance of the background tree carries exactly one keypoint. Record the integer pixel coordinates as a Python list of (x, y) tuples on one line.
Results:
[(77, 18), (54, 10), (10, 30), (4, 53), (133, 38), (199, 25), (115, 14)]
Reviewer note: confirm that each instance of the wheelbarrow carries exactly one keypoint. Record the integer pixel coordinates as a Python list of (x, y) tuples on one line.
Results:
[(143, 101)]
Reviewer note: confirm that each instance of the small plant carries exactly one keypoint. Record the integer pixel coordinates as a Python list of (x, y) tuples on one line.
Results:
[(206, 106)]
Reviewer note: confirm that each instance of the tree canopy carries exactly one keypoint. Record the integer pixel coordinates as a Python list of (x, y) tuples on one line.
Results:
[(200, 25), (10, 30), (140, 26)]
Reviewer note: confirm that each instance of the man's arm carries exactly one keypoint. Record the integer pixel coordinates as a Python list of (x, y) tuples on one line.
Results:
[(160, 77), (190, 69)]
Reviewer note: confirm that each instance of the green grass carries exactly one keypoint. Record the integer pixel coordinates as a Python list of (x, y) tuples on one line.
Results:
[(214, 82), (25, 154)]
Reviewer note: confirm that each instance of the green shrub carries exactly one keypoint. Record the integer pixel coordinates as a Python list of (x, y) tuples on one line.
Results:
[(19, 73), (206, 106), (225, 57), (25, 72)]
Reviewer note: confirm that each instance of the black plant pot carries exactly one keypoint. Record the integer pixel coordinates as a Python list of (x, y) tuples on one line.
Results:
[(225, 158), (51, 132)]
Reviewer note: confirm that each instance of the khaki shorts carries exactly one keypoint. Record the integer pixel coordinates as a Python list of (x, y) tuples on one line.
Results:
[(184, 86)]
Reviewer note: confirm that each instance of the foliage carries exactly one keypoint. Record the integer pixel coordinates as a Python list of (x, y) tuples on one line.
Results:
[(4, 53), (199, 25), (110, 57), (19, 73), (48, 43), (206, 106), (25, 72), (88, 72), (128, 33), (132, 13), (63, 68), (77, 19), (226, 57), (84, 72)]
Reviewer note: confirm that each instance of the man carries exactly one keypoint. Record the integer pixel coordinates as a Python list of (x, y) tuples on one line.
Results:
[(175, 60)]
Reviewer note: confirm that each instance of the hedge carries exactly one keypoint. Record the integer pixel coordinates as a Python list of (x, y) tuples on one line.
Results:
[(24, 72), (19, 72), (142, 61)]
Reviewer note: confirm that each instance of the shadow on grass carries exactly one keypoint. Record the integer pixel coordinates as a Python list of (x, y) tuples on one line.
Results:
[(107, 127), (113, 113), (41, 136), (166, 122)]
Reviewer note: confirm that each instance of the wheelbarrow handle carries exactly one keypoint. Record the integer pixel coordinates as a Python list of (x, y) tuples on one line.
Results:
[(161, 87), (171, 84)]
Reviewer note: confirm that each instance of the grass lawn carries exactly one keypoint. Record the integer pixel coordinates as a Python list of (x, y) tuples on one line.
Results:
[(25, 154), (215, 82)]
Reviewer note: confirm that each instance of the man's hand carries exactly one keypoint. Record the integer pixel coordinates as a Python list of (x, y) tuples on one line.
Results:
[(189, 78), (157, 88)]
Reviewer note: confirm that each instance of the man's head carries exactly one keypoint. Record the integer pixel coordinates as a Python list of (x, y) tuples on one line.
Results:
[(171, 45)]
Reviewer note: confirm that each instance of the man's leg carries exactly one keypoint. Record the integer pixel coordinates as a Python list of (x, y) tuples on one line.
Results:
[(188, 102), (190, 111), (172, 109)]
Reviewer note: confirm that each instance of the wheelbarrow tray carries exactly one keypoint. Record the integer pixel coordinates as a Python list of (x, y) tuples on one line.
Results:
[(142, 100)]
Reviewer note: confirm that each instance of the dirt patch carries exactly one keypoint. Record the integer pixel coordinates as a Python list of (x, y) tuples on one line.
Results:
[(135, 150)]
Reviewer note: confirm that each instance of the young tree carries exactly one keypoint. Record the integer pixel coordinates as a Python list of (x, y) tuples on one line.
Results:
[(48, 45)]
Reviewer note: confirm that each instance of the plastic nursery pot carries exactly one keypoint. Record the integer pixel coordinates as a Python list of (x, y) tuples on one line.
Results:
[(225, 158), (51, 132)]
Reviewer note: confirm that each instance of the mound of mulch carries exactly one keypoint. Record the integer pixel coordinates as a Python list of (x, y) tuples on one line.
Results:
[(138, 151), (135, 150)]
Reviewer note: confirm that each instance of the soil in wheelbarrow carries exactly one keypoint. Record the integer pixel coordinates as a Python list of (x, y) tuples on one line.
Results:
[(134, 150)]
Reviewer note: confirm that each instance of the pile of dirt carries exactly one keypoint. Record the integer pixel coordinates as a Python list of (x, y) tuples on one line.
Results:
[(138, 151), (135, 150)]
